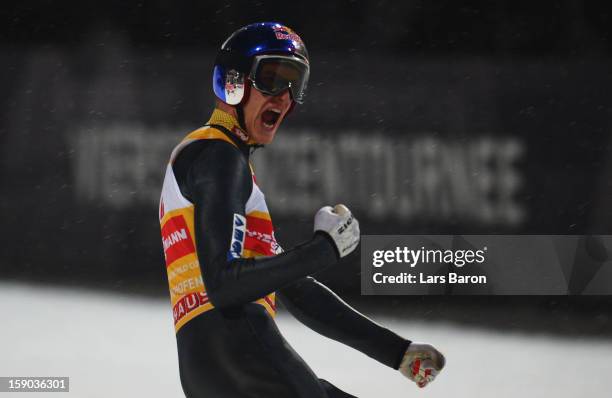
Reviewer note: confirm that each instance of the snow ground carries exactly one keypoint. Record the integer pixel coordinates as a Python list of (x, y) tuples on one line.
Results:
[(123, 346)]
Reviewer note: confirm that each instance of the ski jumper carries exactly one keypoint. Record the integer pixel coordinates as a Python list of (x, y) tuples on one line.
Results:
[(226, 270)]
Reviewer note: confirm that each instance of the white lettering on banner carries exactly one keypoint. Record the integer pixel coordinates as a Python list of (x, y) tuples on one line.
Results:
[(175, 237), (189, 284), (177, 270), (122, 164), (399, 176), (474, 180)]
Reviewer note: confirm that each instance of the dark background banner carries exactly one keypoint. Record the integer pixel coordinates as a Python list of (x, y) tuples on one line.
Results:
[(423, 117)]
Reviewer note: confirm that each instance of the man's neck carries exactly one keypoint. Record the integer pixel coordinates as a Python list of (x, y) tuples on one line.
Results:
[(226, 108)]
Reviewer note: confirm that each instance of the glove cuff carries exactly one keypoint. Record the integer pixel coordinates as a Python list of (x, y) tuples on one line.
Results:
[(401, 355), (330, 240)]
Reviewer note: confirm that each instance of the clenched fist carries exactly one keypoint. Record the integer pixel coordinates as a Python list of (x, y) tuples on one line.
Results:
[(422, 363), (340, 224)]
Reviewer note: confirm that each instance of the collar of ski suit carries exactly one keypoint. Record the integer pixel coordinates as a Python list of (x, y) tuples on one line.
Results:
[(224, 119)]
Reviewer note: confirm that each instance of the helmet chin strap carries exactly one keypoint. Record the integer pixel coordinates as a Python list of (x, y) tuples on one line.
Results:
[(240, 115), (240, 106), (242, 124)]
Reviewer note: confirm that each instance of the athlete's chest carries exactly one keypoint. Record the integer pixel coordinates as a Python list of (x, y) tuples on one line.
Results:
[(259, 239)]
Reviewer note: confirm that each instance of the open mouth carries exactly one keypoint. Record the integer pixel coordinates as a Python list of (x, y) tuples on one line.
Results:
[(270, 117)]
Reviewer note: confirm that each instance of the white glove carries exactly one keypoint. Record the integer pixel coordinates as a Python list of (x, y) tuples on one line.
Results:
[(422, 363), (339, 223)]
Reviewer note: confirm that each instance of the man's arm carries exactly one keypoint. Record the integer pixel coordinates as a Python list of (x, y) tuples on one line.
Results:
[(320, 309), (218, 181)]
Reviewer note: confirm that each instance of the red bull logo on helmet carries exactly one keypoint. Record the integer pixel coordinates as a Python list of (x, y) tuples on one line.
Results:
[(285, 33)]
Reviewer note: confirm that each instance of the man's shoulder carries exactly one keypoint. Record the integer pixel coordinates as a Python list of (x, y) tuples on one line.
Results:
[(209, 150), (213, 133), (207, 158)]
